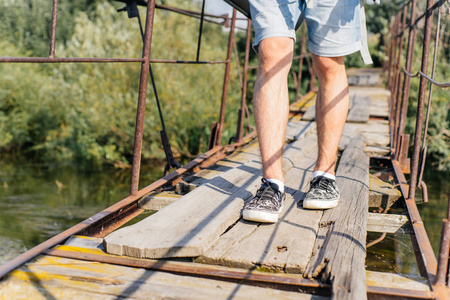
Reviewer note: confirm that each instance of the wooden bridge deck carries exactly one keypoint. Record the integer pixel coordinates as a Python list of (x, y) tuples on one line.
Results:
[(197, 245)]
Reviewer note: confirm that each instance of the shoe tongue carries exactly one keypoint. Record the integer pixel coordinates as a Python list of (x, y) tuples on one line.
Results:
[(274, 186)]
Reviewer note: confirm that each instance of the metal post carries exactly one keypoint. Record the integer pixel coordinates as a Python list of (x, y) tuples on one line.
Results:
[(398, 91), (443, 253), (226, 80), (300, 63), (242, 111), (406, 80), (53, 30), (396, 61), (430, 95), (393, 80), (200, 31), (142, 98), (421, 103)]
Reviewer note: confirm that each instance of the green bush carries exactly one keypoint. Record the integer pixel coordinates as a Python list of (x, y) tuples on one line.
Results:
[(87, 112)]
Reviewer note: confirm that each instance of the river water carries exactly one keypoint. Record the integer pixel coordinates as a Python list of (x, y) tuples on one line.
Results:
[(38, 201)]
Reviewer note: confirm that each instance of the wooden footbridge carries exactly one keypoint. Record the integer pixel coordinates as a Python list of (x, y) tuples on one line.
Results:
[(195, 245)]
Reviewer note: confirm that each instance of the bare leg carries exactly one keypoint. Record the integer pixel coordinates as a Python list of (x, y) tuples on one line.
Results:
[(271, 102), (331, 109)]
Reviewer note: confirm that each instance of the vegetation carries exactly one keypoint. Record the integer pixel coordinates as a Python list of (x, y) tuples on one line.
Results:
[(86, 112)]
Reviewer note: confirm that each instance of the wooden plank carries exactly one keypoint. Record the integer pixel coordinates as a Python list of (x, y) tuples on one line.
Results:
[(382, 194), (158, 201), (310, 114), (299, 129), (303, 103), (275, 246), (397, 281), (376, 139), (388, 223), (359, 110), (295, 130), (339, 251), (190, 225), (62, 278), (201, 216), (350, 131), (85, 242), (377, 150)]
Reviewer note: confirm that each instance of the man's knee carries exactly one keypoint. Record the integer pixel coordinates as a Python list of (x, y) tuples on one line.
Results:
[(275, 54), (326, 67)]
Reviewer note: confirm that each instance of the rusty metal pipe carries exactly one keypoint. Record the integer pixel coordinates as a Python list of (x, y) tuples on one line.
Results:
[(421, 103), (240, 129), (200, 31), (300, 63), (419, 73), (444, 250), (140, 115), (398, 92), (102, 60), (393, 84), (226, 80), (66, 60), (53, 29), (426, 259), (406, 79)]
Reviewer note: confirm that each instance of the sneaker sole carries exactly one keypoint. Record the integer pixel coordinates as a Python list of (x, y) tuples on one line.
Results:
[(320, 204), (261, 216)]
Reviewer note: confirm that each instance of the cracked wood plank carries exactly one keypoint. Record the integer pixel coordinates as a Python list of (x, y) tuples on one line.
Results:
[(339, 251), (286, 245)]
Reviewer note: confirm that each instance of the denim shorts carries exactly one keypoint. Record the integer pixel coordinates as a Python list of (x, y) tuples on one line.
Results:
[(335, 27)]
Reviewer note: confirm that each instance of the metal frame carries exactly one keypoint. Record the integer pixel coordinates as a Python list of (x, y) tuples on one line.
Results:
[(116, 215), (428, 264)]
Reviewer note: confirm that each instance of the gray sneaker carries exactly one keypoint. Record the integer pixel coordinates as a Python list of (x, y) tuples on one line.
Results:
[(266, 205), (323, 193)]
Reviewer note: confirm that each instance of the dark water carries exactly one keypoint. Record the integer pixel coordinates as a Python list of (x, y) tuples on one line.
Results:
[(39, 201), (394, 254)]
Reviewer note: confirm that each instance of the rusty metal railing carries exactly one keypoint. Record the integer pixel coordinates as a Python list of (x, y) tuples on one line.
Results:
[(121, 212), (399, 84)]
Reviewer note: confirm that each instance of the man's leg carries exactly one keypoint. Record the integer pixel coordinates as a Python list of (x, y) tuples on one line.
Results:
[(331, 109), (271, 104), (331, 112)]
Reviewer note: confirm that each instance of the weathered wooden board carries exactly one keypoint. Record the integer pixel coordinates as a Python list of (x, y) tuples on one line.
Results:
[(61, 278), (303, 103), (190, 225), (298, 129), (339, 251), (236, 159), (388, 223), (350, 131), (310, 114), (359, 109), (377, 150), (382, 194), (295, 130), (376, 139), (285, 245), (158, 201), (379, 107), (414, 285)]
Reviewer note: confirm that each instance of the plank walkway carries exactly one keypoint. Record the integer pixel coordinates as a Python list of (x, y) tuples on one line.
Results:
[(203, 229)]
